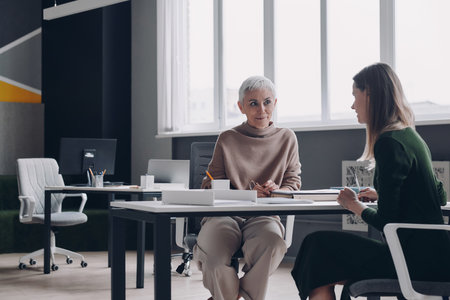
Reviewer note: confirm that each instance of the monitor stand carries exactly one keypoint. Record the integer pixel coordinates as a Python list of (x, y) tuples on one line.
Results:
[(88, 184)]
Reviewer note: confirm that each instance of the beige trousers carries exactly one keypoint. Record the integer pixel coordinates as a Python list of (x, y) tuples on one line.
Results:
[(263, 247)]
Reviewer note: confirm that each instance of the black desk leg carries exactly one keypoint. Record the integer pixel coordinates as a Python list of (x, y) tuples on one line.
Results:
[(111, 198), (47, 229), (161, 243), (140, 260), (118, 259)]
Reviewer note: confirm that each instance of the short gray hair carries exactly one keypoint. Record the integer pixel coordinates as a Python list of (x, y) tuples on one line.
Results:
[(256, 83)]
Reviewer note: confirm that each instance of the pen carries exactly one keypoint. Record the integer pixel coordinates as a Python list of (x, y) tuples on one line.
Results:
[(209, 175), (91, 173), (357, 182)]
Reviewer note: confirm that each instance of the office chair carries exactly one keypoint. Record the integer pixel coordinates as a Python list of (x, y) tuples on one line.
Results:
[(188, 228), (33, 175), (403, 287)]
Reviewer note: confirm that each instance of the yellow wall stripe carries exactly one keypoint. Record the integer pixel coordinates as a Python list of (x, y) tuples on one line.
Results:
[(12, 93)]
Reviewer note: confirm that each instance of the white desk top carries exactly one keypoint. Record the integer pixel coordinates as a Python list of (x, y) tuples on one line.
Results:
[(119, 188), (223, 206)]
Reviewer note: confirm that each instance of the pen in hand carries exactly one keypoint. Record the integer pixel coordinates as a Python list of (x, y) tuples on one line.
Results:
[(356, 180)]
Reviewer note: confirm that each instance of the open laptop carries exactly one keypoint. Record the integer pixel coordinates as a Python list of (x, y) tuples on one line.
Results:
[(169, 171)]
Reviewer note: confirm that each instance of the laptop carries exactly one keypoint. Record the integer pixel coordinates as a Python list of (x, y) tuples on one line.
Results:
[(169, 171)]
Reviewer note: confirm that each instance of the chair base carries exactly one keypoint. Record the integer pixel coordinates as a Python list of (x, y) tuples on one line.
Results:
[(29, 258)]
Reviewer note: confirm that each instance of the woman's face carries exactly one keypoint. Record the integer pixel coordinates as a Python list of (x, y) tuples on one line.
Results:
[(258, 106), (361, 104)]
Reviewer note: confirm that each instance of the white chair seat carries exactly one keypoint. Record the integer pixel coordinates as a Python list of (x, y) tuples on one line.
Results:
[(65, 218)]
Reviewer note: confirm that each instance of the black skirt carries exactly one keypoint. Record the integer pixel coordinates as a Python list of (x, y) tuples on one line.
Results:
[(327, 257)]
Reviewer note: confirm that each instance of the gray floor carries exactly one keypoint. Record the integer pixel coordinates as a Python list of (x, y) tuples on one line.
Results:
[(93, 282)]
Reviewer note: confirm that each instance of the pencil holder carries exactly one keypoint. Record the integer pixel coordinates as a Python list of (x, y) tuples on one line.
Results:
[(97, 181)]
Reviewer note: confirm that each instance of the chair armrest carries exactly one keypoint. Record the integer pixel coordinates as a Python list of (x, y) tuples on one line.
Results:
[(390, 231), (83, 199), (289, 230), (27, 204)]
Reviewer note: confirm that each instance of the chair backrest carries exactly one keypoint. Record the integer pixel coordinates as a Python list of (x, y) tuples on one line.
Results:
[(201, 154), (169, 170), (33, 175)]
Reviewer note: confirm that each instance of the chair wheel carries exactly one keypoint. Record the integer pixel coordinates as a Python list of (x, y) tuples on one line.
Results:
[(180, 268), (84, 264), (69, 260), (22, 266), (32, 262), (55, 267)]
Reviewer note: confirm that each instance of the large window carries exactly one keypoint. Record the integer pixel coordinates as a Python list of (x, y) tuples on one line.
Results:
[(423, 55), (311, 49)]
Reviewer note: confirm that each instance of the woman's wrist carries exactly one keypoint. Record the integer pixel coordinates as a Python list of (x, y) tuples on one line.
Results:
[(357, 208)]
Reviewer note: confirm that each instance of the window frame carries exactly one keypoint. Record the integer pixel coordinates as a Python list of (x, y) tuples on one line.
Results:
[(387, 55)]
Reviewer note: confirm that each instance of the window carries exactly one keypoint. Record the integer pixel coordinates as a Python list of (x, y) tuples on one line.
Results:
[(311, 49), (298, 60), (243, 50), (422, 55)]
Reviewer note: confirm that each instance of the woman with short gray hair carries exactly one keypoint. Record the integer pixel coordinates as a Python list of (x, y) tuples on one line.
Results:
[(254, 155)]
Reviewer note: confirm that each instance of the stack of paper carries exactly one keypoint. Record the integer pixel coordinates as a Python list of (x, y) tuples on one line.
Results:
[(316, 195)]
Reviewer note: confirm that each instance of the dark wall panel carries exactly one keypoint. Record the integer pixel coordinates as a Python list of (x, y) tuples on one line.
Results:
[(18, 17), (87, 80)]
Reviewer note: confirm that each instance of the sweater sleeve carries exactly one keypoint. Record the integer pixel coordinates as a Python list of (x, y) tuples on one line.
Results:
[(291, 178), (392, 167)]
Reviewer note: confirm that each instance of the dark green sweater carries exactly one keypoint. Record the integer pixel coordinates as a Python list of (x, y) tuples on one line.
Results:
[(408, 191)]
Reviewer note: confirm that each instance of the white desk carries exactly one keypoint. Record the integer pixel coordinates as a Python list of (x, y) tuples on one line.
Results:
[(158, 214), (111, 192)]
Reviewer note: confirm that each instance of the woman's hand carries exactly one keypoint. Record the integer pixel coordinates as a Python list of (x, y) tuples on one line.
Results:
[(349, 200), (368, 195), (265, 189)]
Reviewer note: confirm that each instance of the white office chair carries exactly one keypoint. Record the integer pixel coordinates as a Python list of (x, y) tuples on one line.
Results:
[(403, 286), (33, 174)]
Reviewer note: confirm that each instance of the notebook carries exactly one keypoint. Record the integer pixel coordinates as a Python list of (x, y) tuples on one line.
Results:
[(283, 200)]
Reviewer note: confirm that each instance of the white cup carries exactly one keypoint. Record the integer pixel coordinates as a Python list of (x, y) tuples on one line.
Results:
[(147, 181), (220, 184)]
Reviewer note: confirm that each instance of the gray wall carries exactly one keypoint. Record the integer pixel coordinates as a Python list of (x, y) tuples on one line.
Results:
[(21, 133), (144, 144), (21, 124)]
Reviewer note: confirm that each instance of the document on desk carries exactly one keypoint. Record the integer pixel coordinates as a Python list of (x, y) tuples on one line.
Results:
[(316, 195), (283, 200)]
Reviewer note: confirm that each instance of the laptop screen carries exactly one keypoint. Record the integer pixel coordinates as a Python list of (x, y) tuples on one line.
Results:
[(169, 171)]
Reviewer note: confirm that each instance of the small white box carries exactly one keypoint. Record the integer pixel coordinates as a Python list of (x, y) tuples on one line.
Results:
[(220, 184), (147, 181)]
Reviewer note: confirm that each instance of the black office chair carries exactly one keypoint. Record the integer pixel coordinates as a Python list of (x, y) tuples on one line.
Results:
[(201, 154)]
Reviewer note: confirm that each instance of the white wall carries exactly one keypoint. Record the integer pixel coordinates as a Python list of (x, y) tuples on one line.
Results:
[(144, 144)]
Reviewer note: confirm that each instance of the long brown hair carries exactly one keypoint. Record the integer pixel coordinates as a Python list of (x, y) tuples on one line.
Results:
[(387, 109)]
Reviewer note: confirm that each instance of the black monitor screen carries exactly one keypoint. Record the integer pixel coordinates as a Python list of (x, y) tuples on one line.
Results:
[(77, 155)]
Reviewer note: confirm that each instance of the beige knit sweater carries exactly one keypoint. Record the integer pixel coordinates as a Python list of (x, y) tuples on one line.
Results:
[(245, 153)]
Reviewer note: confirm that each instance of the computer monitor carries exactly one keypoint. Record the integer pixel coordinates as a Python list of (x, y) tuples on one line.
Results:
[(78, 155)]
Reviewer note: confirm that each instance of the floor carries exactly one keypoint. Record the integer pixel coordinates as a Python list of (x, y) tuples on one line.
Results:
[(93, 282)]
